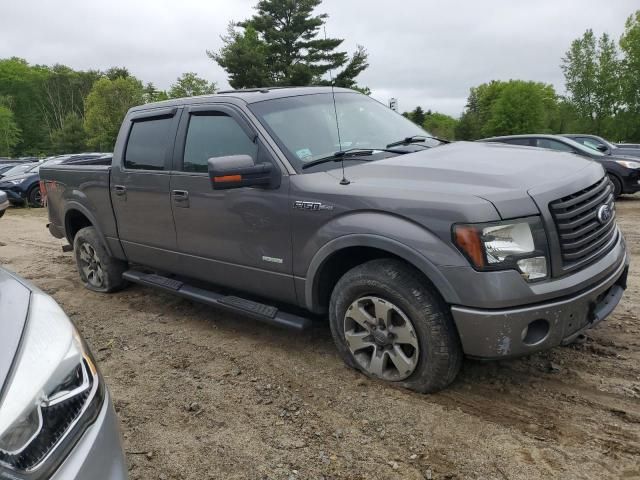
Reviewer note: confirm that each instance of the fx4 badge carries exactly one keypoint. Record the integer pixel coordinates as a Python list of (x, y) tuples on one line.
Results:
[(311, 205)]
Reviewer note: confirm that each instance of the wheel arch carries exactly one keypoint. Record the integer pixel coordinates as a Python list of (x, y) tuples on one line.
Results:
[(76, 217), (343, 253)]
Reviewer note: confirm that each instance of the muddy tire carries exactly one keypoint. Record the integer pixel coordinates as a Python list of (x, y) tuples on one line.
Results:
[(389, 323), (98, 271)]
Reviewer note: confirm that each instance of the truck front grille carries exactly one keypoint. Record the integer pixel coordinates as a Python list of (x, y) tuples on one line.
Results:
[(585, 231)]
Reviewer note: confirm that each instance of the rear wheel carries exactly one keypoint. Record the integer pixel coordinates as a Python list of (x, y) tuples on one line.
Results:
[(388, 323), (617, 186), (34, 197), (98, 270)]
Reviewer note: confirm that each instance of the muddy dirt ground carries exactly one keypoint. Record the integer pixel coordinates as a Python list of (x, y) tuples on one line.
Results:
[(202, 394)]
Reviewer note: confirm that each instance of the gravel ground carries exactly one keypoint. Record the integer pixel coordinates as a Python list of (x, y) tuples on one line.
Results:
[(203, 394)]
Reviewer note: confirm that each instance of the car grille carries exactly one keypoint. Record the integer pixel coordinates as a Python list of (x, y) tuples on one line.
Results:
[(583, 236)]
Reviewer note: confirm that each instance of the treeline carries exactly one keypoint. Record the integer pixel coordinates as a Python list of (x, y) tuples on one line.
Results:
[(55, 109), (602, 82)]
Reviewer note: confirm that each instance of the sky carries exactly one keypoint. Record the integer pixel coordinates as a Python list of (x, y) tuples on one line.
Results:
[(422, 52)]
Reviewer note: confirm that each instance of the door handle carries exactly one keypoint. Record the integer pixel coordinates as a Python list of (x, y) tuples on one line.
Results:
[(120, 190), (180, 198), (180, 195)]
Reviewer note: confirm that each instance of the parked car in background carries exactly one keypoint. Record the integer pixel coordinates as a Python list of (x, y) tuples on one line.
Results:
[(602, 145), (24, 186), (12, 169), (417, 251), (624, 172), (57, 420), (628, 145), (4, 167), (4, 203)]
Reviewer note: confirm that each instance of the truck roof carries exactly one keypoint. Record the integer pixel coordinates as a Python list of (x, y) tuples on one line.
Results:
[(249, 95)]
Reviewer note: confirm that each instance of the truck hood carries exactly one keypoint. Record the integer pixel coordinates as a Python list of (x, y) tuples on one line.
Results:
[(499, 173), (14, 306)]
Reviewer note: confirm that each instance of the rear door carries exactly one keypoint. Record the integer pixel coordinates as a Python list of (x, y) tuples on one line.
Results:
[(140, 181), (238, 238)]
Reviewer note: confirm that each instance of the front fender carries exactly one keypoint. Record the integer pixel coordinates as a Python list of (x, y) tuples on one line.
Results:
[(407, 253)]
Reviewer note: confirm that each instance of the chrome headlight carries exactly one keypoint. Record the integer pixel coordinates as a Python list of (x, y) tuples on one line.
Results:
[(15, 182), (515, 244), (628, 164), (53, 389)]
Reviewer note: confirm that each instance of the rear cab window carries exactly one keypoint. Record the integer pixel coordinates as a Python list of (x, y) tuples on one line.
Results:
[(147, 144)]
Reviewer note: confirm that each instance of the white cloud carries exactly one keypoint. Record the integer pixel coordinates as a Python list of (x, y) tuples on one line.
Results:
[(424, 53)]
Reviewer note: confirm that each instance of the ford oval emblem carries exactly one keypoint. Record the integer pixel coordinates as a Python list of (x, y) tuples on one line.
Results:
[(604, 214)]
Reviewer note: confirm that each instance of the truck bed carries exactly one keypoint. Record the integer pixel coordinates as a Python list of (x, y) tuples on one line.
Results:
[(79, 189)]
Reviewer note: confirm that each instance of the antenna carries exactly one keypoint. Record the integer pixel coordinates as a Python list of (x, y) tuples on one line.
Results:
[(344, 180)]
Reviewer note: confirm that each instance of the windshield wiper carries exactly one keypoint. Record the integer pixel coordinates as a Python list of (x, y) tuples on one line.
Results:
[(416, 139), (338, 156)]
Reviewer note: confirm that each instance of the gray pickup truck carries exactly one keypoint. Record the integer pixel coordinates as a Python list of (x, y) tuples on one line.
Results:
[(289, 203)]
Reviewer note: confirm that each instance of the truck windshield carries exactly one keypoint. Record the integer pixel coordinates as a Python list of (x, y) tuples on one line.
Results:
[(305, 126)]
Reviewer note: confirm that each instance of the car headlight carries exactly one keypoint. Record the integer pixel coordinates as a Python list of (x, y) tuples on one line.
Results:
[(515, 244), (628, 164), (52, 392), (14, 182)]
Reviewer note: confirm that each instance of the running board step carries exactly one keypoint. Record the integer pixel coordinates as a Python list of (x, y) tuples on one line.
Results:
[(259, 311)]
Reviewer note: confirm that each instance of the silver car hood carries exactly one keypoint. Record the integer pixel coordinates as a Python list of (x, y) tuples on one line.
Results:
[(14, 308)]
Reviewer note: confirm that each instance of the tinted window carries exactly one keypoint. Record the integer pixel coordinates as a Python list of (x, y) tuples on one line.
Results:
[(147, 146), (519, 141), (554, 145), (214, 135)]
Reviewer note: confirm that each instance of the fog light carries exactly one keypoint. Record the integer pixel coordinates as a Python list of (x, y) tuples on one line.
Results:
[(533, 268)]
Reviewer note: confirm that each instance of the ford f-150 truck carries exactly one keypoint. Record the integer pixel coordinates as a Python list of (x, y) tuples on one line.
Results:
[(287, 203)]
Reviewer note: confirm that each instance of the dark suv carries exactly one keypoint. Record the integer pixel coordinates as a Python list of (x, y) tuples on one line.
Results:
[(624, 172)]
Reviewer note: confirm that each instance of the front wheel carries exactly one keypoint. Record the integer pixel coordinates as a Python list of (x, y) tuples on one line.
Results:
[(34, 197), (388, 323), (617, 186), (98, 270)]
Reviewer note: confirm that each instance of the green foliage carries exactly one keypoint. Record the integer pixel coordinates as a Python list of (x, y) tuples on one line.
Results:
[(592, 73), (152, 94), (282, 44), (417, 115), (629, 127), (191, 85), (440, 125), (505, 108), (9, 132), (107, 105), (71, 137)]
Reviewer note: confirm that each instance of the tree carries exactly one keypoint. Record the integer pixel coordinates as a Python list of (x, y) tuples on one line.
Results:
[(281, 45), (591, 69), (152, 94), (107, 105), (191, 85), (518, 109), (117, 72), (71, 137), (9, 132), (440, 125), (503, 108), (630, 79), (417, 115)]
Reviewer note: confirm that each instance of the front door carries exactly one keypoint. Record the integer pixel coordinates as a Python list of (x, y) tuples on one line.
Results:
[(140, 184), (239, 238)]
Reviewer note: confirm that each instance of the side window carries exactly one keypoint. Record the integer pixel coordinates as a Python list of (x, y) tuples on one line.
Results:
[(214, 135), (519, 141), (147, 145), (554, 145)]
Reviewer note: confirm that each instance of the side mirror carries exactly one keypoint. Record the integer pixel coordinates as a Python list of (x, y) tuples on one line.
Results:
[(602, 148), (236, 171)]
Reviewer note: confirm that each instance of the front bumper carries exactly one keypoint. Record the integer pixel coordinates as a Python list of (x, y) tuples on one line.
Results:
[(15, 196), (631, 183), (4, 205), (98, 454), (502, 333)]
